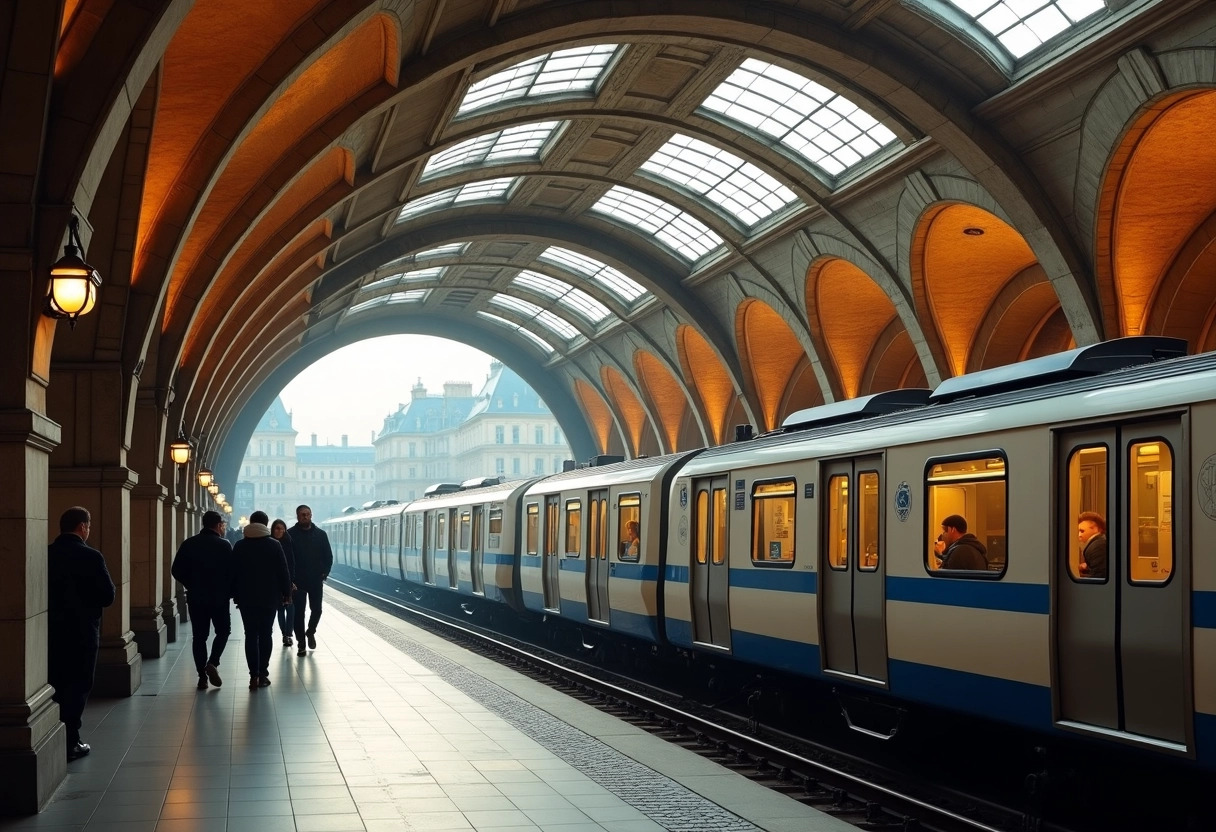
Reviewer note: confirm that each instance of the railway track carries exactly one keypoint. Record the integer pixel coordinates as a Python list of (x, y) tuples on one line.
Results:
[(848, 787)]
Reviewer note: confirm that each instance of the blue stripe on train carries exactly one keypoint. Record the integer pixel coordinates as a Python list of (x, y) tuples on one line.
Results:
[(1203, 610), (781, 580), (960, 592), (632, 624), (1205, 739)]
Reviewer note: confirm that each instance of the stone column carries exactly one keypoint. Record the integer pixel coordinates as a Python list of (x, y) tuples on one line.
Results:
[(33, 761), (172, 537), (106, 493), (185, 522), (147, 550)]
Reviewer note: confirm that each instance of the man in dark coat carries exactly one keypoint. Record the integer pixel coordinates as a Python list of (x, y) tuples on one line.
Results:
[(1091, 534), (314, 559), (958, 549), (263, 584), (203, 565), (78, 586)]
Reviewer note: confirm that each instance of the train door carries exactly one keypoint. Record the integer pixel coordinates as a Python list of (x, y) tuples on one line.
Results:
[(709, 577), (476, 554), (852, 596), (552, 564), (1122, 623), (597, 557), (454, 545), (429, 521)]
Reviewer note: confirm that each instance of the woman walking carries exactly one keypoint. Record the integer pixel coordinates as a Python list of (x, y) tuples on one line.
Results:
[(287, 612), (262, 585)]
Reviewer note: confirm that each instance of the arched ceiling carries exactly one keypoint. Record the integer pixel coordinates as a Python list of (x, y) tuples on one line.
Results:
[(591, 183)]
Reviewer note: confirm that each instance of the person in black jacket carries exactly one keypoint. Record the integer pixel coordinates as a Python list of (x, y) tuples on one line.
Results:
[(263, 584), (78, 586), (203, 565), (1091, 534), (287, 612), (314, 559), (958, 549)]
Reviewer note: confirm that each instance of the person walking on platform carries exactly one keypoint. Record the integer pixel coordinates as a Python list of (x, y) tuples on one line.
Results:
[(203, 565), (262, 585), (287, 612), (78, 586), (314, 559)]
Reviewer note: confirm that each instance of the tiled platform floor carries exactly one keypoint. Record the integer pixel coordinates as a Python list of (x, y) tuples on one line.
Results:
[(385, 727)]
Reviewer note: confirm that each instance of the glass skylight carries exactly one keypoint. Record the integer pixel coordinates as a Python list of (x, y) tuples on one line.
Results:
[(565, 294), (446, 250), (555, 323), (733, 184), (514, 144), (809, 119), (544, 345), (611, 279), (685, 234), (415, 276), (1022, 25), (485, 191), (411, 296), (564, 71)]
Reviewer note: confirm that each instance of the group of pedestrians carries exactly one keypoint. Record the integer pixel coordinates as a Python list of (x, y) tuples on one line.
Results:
[(270, 571)]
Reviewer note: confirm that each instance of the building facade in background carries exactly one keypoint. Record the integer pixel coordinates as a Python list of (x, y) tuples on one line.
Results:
[(504, 430)]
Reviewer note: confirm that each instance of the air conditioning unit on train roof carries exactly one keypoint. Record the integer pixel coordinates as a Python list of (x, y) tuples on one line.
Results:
[(480, 482), (441, 488)]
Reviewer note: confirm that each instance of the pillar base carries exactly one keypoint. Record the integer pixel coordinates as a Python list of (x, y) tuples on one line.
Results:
[(31, 775), (149, 628), (119, 670), (168, 617)]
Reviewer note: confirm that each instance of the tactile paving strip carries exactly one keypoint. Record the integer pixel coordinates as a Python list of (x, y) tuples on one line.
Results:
[(661, 799)]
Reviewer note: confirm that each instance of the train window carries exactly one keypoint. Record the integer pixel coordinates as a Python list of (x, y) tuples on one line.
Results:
[(629, 525), (394, 539), (773, 522), (574, 528), (970, 493), (495, 521), (466, 526), (551, 529), (719, 526), (868, 504), (1087, 502), (838, 522), (532, 529), (598, 539), (1150, 469), (366, 535), (441, 531), (702, 524)]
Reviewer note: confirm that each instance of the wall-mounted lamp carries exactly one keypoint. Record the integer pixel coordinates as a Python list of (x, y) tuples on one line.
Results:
[(74, 283), (213, 489), (204, 477), (179, 450), (221, 498)]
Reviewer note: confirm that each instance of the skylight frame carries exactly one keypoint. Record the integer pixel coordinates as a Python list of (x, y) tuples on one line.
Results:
[(521, 143), (553, 322), (573, 298), (445, 250), (680, 231), (743, 190), (801, 115), (1020, 33), (545, 346), (563, 72), (612, 279), (423, 275), (408, 296), (483, 190)]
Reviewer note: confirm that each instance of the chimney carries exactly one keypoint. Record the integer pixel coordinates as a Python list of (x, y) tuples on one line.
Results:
[(453, 389), (314, 440), (344, 440), (418, 391)]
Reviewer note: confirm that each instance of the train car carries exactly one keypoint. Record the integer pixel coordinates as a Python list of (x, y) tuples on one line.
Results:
[(465, 540), (815, 550), (367, 540), (592, 544)]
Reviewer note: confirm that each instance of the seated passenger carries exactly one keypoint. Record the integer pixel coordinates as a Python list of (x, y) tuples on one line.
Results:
[(1091, 534), (958, 549), (632, 541)]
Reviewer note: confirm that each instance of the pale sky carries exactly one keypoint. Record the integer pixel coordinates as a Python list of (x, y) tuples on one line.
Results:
[(352, 389)]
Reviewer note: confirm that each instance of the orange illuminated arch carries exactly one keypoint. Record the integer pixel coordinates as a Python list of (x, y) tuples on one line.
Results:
[(667, 399), (852, 312), (704, 373), (599, 417), (962, 258), (1157, 256), (776, 362), (628, 407)]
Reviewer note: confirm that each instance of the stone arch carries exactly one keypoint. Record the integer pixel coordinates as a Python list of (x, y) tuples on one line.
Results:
[(666, 397), (631, 412), (774, 361), (1022, 322), (710, 382)]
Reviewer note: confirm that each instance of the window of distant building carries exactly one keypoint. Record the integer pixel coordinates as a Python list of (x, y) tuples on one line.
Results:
[(500, 466), (499, 432), (539, 466), (557, 436), (413, 473), (540, 436), (515, 465), (515, 400), (281, 450), (413, 449), (515, 434), (498, 403)]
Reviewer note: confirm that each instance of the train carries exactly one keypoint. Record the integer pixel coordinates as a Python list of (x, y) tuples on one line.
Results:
[(813, 550)]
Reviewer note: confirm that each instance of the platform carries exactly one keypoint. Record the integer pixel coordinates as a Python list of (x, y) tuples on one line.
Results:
[(386, 727)]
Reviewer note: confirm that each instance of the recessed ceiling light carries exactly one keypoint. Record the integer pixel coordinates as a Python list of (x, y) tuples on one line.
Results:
[(972, 231)]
